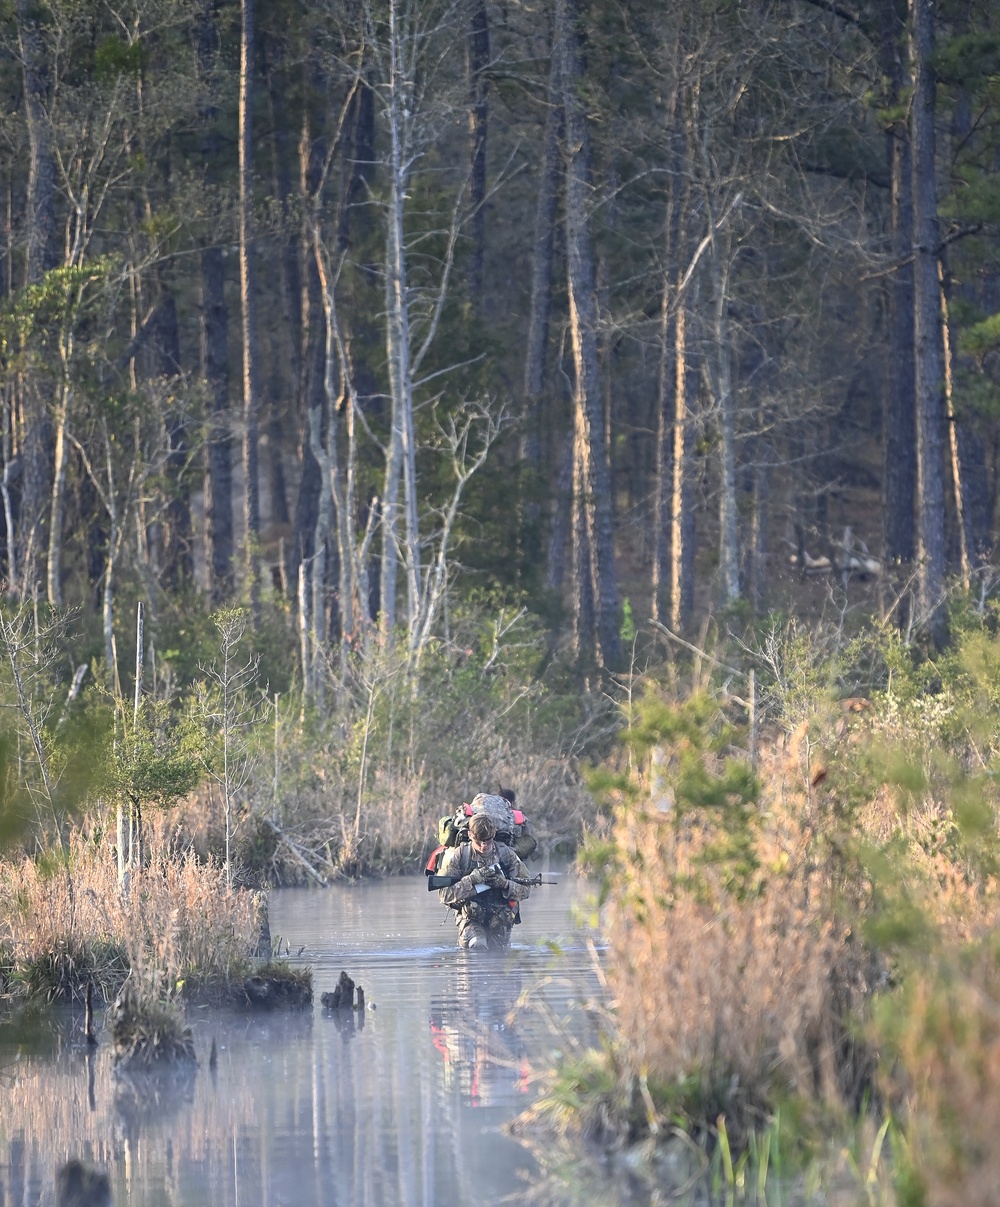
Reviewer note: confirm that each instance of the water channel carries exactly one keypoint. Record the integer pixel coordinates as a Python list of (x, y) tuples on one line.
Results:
[(402, 1104)]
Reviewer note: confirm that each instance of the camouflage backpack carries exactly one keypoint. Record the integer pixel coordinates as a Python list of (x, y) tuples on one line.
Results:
[(511, 825)]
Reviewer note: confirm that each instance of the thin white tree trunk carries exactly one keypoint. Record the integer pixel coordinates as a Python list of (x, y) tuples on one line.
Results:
[(965, 560), (681, 509), (401, 462), (54, 559)]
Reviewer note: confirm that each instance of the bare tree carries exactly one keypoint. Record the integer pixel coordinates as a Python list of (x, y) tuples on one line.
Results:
[(214, 328), (595, 577), (928, 340), (248, 305)]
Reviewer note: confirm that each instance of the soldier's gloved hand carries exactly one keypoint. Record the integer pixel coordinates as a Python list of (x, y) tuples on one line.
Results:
[(495, 877), (479, 875)]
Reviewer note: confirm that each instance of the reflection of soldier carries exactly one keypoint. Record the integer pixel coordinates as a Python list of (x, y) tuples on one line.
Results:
[(474, 1030), (483, 895)]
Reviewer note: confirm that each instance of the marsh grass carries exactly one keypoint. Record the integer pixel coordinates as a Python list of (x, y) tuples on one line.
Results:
[(819, 949), (729, 1002), (64, 924), (941, 1039)]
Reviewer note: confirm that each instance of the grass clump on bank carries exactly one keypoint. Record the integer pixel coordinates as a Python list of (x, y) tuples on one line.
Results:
[(180, 924), (148, 1032)]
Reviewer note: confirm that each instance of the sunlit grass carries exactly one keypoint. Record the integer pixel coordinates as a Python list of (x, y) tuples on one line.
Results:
[(64, 923)]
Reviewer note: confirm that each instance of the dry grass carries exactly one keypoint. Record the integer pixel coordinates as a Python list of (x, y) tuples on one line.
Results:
[(179, 920), (946, 1031), (322, 830), (737, 998)]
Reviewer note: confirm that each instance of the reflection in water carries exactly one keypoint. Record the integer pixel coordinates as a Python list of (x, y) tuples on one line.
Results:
[(476, 1032), (402, 1104)]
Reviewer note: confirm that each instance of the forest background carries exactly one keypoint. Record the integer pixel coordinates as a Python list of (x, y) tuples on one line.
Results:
[(394, 392)]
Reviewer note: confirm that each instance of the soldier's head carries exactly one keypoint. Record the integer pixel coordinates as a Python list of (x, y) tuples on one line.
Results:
[(482, 831)]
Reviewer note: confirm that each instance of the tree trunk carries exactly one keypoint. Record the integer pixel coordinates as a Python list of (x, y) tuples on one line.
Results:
[(214, 350), (722, 384), (401, 459), (592, 475), (539, 319), (477, 59), (899, 441), (682, 512), (178, 557), (285, 342), (251, 405), (41, 196), (57, 502), (968, 457), (956, 476), (41, 256), (562, 518), (670, 407), (584, 612), (928, 342), (219, 480), (312, 152)]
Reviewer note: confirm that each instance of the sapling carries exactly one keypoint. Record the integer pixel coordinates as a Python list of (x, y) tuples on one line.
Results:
[(233, 713)]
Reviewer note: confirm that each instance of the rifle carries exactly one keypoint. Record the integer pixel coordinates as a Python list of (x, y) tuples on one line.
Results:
[(435, 882)]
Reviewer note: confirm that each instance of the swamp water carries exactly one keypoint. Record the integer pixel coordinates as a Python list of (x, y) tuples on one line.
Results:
[(403, 1104)]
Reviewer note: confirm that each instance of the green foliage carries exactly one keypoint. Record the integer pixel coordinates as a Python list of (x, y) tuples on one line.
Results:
[(114, 57), (55, 300), (982, 337), (969, 59), (154, 758), (692, 780)]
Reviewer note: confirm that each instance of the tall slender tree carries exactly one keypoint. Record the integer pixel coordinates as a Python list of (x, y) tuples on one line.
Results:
[(248, 307), (595, 580), (928, 332)]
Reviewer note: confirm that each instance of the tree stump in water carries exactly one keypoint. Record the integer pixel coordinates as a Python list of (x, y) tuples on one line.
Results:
[(276, 985), (80, 1185), (342, 997)]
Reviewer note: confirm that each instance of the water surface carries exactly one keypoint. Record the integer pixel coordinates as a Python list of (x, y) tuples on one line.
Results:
[(402, 1104)]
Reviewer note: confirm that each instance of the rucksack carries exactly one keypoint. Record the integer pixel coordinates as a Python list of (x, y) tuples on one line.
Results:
[(511, 824)]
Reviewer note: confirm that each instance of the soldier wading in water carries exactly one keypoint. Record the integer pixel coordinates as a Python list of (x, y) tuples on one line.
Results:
[(484, 897)]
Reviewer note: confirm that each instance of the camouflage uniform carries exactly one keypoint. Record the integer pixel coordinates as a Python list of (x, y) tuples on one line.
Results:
[(488, 915)]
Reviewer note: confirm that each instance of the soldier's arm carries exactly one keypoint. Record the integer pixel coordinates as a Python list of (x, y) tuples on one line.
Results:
[(513, 866), (462, 889)]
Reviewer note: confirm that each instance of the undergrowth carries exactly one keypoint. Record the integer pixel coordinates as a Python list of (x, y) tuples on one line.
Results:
[(801, 918)]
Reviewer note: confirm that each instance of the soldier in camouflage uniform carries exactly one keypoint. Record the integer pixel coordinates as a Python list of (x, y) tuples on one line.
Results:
[(483, 896)]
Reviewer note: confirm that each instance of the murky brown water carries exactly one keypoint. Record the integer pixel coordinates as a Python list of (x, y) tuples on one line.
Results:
[(403, 1105)]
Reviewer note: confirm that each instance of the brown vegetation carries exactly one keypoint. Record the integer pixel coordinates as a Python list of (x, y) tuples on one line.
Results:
[(814, 942), (322, 829), (66, 923)]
